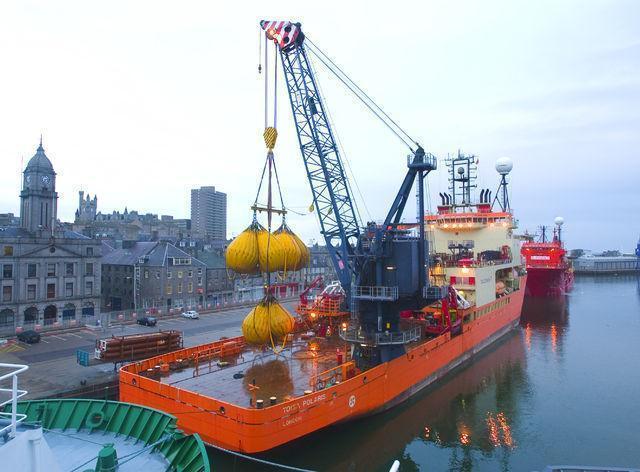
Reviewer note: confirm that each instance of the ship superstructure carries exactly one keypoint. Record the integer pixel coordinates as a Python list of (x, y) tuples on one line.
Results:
[(550, 272), (473, 247)]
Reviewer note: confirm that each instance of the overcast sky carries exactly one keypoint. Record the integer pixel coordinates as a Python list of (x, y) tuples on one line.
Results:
[(140, 101)]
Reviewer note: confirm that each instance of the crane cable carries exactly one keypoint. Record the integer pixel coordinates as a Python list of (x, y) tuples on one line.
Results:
[(352, 176), (270, 136), (362, 95)]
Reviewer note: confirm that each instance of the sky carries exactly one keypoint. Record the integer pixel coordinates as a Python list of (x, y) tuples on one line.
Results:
[(138, 102)]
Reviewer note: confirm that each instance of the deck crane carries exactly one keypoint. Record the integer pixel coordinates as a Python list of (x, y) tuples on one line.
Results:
[(382, 268)]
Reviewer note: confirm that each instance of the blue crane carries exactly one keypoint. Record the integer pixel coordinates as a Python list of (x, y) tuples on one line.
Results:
[(364, 257)]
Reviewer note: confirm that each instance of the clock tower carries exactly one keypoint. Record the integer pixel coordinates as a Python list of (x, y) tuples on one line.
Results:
[(39, 199)]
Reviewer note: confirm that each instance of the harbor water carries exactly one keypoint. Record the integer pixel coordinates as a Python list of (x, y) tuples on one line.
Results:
[(562, 389)]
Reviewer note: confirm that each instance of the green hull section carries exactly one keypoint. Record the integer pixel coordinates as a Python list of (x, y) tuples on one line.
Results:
[(184, 453)]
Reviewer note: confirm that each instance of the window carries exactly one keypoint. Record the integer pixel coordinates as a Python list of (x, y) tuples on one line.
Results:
[(68, 289), (7, 271), (31, 292), (8, 250), (68, 268), (51, 290), (32, 270), (51, 270), (199, 270), (6, 317), (199, 280), (89, 251), (180, 274), (7, 292), (180, 287), (169, 274), (179, 260), (169, 289), (158, 274), (190, 273), (88, 268), (146, 274), (190, 287), (88, 287)]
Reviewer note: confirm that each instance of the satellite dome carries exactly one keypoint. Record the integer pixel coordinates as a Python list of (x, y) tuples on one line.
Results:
[(559, 220), (460, 170), (504, 165)]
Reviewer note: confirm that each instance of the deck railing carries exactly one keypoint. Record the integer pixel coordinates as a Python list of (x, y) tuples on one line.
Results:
[(330, 377), (15, 417), (356, 335), (362, 292)]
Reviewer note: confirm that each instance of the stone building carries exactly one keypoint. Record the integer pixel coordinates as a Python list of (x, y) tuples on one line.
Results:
[(9, 219), (87, 208), (50, 276), (220, 281), (127, 225), (158, 275)]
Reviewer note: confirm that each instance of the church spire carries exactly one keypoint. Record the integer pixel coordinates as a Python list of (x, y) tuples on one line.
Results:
[(40, 148)]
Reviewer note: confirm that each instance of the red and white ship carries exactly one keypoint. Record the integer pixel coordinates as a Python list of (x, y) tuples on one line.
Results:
[(550, 272)]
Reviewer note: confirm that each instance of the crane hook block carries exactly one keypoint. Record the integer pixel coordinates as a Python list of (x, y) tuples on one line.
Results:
[(270, 135)]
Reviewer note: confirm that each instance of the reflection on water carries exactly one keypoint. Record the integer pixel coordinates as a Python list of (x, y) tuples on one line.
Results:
[(546, 319), (533, 399)]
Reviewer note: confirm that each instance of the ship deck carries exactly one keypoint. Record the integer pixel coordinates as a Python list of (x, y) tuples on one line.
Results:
[(284, 375)]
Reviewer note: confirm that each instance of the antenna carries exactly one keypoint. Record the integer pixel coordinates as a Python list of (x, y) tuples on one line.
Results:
[(504, 165), (462, 178)]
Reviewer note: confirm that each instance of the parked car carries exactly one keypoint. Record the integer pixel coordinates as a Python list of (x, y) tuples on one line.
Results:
[(29, 336), (147, 321), (194, 315)]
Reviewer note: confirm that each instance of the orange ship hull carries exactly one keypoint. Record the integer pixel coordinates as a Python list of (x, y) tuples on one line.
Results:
[(255, 430)]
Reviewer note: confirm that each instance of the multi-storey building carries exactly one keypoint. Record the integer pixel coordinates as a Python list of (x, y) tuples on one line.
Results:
[(143, 275), (220, 280), (209, 213), (49, 276)]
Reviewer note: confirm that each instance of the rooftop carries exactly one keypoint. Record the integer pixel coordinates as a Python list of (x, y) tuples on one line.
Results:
[(40, 162)]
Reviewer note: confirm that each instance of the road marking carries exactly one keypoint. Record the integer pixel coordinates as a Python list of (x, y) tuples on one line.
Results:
[(12, 347), (57, 337), (44, 341), (75, 335)]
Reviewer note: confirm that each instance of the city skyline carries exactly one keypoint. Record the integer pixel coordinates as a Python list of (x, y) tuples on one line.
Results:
[(161, 106)]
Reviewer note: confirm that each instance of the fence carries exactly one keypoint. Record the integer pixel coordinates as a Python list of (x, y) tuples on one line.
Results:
[(105, 319)]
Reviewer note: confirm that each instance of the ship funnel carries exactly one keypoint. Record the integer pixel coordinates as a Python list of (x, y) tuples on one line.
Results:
[(482, 196), (442, 198)]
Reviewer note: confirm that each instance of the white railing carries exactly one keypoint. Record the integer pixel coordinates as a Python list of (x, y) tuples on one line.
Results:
[(375, 293), (16, 418), (356, 335)]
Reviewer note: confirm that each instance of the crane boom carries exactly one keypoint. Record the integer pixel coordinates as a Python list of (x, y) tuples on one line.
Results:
[(332, 198), (381, 267)]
